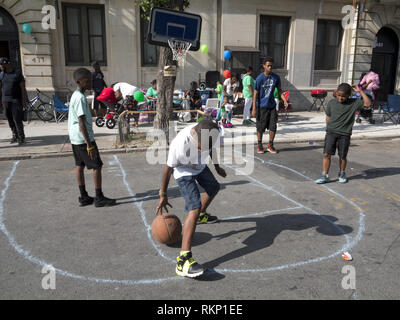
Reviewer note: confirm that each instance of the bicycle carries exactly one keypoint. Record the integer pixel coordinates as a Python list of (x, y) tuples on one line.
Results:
[(44, 110)]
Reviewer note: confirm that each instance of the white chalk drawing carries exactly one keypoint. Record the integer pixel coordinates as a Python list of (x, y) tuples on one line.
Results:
[(349, 242)]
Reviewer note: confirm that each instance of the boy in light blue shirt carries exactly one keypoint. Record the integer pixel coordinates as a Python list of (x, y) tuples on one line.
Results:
[(84, 147)]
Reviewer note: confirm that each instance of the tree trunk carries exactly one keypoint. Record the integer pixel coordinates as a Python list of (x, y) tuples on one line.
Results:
[(165, 85), (165, 90)]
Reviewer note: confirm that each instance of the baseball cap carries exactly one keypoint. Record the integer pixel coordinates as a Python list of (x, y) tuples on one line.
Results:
[(4, 61)]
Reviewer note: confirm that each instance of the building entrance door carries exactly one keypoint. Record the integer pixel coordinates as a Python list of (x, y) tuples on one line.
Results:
[(384, 61), (9, 43)]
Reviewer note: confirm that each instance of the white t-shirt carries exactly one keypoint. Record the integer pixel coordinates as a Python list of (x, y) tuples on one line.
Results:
[(125, 88), (184, 156), (230, 88)]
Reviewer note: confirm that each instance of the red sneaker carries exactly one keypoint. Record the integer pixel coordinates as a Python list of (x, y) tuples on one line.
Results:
[(270, 148), (260, 149)]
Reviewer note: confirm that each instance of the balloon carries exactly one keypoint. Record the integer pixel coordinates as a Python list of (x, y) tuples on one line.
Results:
[(139, 96), (26, 27), (227, 54), (204, 48), (227, 74)]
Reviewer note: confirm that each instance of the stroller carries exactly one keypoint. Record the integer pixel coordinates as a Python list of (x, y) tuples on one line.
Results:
[(114, 109), (365, 113), (111, 116)]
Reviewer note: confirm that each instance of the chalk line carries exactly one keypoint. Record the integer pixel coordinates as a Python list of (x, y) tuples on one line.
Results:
[(139, 205), (298, 205), (27, 255)]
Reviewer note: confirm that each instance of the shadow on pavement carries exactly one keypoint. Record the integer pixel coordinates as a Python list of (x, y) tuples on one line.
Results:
[(269, 227), (304, 148), (376, 173)]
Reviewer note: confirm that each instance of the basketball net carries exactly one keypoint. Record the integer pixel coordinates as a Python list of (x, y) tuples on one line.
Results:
[(179, 49)]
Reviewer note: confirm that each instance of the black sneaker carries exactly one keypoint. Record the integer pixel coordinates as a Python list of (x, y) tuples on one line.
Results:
[(104, 202), (186, 266), (14, 139), (21, 141), (85, 201), (205, 218)]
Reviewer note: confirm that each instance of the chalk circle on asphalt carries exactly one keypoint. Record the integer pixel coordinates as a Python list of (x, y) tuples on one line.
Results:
[(349, 243)]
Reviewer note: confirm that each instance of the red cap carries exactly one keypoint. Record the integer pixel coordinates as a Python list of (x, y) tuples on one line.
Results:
[(107, 95)]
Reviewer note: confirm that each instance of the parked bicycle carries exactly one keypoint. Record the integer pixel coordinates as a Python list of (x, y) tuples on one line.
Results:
[(43, 109)]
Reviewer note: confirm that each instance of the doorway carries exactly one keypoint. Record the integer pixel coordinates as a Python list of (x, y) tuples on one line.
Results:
[(9, 43), (384, 61)]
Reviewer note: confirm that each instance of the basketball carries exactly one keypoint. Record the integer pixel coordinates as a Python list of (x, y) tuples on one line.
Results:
[(166, 228)]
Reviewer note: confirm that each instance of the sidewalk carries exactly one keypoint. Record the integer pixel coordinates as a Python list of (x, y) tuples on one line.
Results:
[(49, 139)]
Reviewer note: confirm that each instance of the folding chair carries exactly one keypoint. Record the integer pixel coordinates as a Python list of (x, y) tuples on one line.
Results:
[(60, 110), (391, 109), (318, 96)]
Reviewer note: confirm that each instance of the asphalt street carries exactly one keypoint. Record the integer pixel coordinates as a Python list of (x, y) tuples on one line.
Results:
[(280, 235)]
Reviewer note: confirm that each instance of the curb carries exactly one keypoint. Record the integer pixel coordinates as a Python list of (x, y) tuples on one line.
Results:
[(134, 150)]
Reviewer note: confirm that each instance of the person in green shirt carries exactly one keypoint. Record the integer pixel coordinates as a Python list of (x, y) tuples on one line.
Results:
[(219, 89), (340, 115), (248, 90), (152, 91)]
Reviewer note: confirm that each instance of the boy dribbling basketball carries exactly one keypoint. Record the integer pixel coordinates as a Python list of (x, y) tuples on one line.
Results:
[(186, 160)]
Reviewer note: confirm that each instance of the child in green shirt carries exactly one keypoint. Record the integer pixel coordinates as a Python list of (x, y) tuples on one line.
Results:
[(152, 91), (340, 115), (219, 89)]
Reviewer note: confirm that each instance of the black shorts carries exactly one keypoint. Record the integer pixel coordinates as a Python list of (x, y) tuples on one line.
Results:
[(82, 158), (266, 119), (339, 141)]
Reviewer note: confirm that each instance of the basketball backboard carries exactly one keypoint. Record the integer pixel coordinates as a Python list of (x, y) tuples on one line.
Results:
[(167, 24)]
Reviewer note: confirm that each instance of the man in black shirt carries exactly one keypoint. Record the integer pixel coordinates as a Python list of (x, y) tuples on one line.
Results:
[(13, 98), (98, 85)]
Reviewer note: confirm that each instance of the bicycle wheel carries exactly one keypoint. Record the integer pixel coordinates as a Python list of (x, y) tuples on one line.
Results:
[(110, 123), (45, 112)]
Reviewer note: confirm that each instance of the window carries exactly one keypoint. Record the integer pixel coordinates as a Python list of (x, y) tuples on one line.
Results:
[(327, 51), (274, 34), (150, 52), (84, 34)]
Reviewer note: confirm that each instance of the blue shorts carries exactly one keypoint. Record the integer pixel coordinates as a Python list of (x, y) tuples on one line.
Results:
[(190, 191)]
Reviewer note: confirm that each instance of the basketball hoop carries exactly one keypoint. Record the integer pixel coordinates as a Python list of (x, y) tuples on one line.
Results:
[(179, 49)]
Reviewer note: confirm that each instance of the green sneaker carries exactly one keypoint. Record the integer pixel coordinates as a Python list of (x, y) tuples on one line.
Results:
[(205, 218), (342, 177), (186, 266), (324, 179)]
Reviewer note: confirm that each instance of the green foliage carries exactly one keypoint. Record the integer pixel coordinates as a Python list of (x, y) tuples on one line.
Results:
[(146, 5)]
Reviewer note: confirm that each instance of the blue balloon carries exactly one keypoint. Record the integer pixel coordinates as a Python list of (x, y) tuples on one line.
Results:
[(27, 28), (227, 54)]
